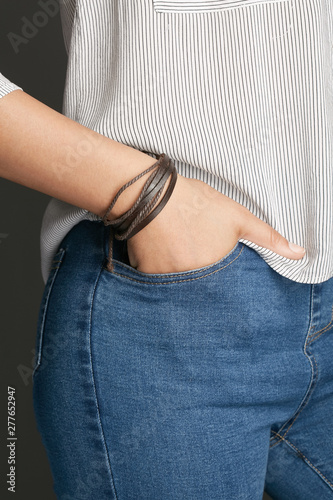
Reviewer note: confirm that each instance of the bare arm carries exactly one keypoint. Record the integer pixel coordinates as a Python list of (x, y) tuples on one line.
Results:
[(46, 151)]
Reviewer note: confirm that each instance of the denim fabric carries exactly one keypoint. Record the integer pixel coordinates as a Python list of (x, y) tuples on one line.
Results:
[(209, 384)]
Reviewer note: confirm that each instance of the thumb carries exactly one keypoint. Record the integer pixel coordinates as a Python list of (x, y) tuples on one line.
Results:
[(262, 234)]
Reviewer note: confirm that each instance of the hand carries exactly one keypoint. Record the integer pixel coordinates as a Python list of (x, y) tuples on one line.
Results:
[(197, 227)]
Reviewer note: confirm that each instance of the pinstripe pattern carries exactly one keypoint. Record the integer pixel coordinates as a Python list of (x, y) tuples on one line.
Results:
[(206, 6), (6, 86), (238, 92)]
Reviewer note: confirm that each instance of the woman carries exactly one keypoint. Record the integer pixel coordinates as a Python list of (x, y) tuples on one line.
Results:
[(192, 360)]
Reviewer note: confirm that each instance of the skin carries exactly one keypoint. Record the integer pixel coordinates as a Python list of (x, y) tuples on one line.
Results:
[(51, 153)]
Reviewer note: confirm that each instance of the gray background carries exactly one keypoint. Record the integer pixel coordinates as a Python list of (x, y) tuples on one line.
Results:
[(39, 68)]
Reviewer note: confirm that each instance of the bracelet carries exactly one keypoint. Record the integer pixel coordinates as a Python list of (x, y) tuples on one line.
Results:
[(146, 207)]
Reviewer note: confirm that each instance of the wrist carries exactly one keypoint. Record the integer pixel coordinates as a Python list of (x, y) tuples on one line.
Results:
[(135, 166), (156, 228)]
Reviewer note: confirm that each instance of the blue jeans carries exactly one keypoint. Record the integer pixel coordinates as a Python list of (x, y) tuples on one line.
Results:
[(209, 384)]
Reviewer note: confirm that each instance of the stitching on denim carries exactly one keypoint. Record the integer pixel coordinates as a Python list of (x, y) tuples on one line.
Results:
[(94, 385), (41, 337), (325, 327), (311, 388), (312, 382), (300, 454), (320, 334), (178, 281), (316, 335), (305, 400)]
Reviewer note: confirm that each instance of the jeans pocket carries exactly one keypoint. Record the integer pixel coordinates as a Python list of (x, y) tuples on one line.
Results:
[(199, 6), (56, 263), (123, 269)]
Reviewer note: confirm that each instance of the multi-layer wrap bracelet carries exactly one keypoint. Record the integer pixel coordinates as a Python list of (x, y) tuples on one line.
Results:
[(147, 206)]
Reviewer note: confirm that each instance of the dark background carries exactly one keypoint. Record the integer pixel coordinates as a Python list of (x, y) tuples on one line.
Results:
[(40, 69)]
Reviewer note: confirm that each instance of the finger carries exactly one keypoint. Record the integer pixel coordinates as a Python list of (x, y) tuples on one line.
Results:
[(264, 235)]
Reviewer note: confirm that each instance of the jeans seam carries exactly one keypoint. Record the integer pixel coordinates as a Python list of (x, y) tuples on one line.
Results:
[(94, 387), (304, 403), (304, 458), (311, 386), (47, 299), (316, 335), (178, 281)]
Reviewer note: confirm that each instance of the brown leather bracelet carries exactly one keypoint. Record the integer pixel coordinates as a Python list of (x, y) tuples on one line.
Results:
[(150, 189), (105, 217), (139, 218), (158, 208), (144, 209)]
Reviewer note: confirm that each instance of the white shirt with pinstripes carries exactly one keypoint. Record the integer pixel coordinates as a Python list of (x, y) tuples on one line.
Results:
[(239, 93)]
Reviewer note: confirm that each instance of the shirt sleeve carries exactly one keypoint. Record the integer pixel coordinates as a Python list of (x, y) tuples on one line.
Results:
[(68, 13), (6, 86)]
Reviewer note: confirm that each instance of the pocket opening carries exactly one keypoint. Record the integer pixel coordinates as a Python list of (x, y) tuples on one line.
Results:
[(126, 271), (199, 6)]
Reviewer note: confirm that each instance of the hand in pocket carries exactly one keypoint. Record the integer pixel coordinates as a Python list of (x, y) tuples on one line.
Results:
[(197, 227)]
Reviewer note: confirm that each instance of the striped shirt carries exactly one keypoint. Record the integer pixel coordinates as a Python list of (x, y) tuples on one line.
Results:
[(239, 93)]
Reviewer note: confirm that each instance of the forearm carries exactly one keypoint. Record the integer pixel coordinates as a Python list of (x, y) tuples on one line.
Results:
[(47, 151)]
